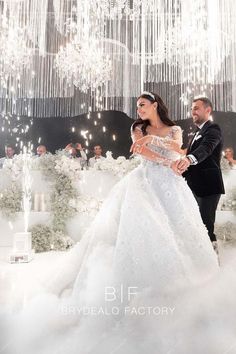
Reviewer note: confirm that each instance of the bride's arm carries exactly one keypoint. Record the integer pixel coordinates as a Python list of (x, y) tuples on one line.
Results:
[(139, 145), (137, 133), (144, 151), (174, 146), (176, 141)]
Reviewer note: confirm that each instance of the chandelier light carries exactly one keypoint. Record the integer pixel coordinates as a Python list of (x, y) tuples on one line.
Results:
[(118, 47), (15, 55), (84, 64)]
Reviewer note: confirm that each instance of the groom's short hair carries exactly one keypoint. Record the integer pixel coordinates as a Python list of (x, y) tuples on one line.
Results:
[(205, 100)]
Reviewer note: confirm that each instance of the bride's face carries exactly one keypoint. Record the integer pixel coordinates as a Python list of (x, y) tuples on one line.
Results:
[(145, 108)]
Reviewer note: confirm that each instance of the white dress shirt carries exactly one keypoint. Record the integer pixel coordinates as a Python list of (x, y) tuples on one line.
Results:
[(191, 157), (94, 159)]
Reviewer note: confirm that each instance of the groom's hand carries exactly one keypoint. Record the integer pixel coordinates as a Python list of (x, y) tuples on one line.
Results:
[(174, 166), (183, 164)]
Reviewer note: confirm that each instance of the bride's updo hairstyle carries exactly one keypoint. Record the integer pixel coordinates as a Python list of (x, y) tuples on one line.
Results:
[(162, 110)]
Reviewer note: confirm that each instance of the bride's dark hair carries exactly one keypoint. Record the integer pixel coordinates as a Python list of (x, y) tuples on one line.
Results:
[(162, 110)]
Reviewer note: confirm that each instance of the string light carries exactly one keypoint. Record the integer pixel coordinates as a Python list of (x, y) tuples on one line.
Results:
[(196, 46)]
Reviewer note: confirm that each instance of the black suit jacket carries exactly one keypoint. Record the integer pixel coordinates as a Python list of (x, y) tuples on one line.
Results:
[(205, 178)]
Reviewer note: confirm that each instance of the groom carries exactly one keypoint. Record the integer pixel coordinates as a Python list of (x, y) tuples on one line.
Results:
[(201, 166)]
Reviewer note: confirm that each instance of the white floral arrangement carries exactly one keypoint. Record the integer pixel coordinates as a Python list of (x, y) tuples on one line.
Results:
[(11, 196), (120, 166), (45, 239), (85, 204), (63, 192), (11, 200), (229, 204), (226, 232), (44, 163), (60, 241), (13, 167), (61, 171), (60, 163), (68, 167)]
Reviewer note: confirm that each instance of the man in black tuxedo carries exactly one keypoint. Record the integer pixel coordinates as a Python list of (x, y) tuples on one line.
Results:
[(201, 166)]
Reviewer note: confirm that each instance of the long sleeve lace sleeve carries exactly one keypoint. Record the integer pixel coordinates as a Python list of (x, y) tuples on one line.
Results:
[(175, 134), (136, 133), (162, 150)]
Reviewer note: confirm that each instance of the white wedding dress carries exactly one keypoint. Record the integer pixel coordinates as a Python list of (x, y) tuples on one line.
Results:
[(151, 229), (147, 237)]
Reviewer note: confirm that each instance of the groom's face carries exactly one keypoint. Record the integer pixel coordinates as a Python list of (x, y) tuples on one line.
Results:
[(200, 113)]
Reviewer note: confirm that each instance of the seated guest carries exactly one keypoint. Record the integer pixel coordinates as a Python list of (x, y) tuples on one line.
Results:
[(73, 153), (97, 150), (229, 156), (41, 150), (9, 154)]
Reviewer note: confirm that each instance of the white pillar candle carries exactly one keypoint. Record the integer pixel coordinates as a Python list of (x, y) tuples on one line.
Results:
[(36, 202), (42, 202)]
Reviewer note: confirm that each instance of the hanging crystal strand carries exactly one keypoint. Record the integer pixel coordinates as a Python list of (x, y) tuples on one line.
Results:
[(190, 47), (126, 58), (143, 47), (175, 67), (230, 16)]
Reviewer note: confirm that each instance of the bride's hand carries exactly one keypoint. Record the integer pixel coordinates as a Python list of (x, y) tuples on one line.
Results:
[(138, 144)]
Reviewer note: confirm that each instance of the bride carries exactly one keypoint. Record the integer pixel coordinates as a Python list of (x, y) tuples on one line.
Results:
[(151, 221), (146, 244), (149, 232)]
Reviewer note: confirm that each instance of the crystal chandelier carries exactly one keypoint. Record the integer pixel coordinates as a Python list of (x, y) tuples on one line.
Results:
[(15, 55), (124, 46), (83, 64)]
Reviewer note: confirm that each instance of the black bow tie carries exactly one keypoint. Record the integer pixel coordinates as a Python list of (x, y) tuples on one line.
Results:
[(197, 130)]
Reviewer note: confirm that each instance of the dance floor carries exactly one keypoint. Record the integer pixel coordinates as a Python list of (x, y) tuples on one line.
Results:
[(20, 282)]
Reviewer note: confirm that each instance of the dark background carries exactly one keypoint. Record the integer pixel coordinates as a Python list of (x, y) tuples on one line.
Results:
[(56, 133)]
